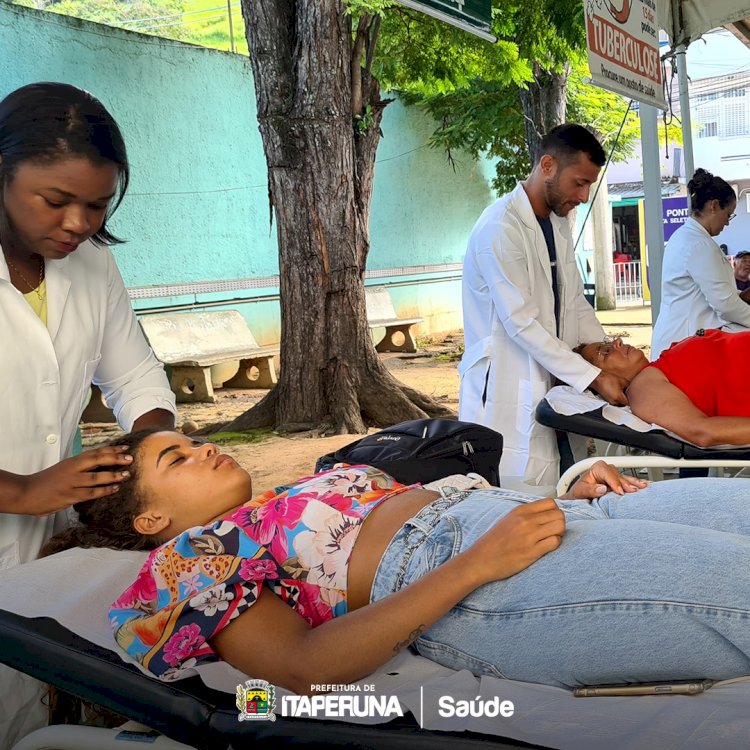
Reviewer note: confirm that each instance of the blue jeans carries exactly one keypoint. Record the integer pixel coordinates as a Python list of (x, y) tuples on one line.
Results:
[(654, 585)]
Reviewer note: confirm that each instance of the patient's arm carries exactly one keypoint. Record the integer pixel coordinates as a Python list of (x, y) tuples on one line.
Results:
[(654, 399), (352, 646), (341, 650)]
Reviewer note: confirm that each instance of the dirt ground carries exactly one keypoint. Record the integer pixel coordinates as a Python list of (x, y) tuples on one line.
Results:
[(275, 459)]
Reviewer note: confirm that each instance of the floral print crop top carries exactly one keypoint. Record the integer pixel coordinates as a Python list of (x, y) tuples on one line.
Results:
[(296, 539)]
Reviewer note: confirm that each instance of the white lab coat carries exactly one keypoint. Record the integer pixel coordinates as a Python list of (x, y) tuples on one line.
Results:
[(512, 351), (697, 289), (45, 374)]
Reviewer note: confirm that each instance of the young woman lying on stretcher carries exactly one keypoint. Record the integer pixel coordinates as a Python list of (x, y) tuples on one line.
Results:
[(698, 389), (323, 581)]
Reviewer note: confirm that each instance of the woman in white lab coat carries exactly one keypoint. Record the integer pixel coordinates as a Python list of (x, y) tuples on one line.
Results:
[(698, 288), (65, 321), (66, 318), (66, 315)]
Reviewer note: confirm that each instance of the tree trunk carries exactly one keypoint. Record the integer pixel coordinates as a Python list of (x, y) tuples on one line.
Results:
[(543, 104), (601, 220), (321, 157)]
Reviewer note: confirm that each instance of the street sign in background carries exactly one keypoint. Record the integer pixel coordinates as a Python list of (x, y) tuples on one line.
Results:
[(623, 47), (470, 15), (675, 213)]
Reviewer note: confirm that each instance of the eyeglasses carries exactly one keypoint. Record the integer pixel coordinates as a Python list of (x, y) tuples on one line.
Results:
[(606, 347), (731, 216)]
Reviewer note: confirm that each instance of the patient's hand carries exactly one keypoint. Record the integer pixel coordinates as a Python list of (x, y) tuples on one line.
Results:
[(600, 479), (610, 388)]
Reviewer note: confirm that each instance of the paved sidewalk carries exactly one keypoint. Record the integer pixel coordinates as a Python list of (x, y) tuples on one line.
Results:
[(626, 316), (632, 323)]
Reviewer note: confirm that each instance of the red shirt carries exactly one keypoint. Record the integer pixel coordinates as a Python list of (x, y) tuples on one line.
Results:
[(712, 370)]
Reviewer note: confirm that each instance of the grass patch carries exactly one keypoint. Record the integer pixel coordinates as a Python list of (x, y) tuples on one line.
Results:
[(447, 357), (242, 438), (453, 355)]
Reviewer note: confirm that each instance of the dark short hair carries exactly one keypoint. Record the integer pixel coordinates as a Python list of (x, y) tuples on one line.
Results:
[(705, 187), (45, 122), (566, 142)]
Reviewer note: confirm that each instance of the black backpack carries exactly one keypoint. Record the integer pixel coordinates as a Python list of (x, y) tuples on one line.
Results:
[(424, 450)]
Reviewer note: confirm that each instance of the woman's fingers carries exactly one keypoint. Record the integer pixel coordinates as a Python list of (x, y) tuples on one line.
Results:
[(114, 455), (546, 545), (537, 506), (101, 478), (540, 520), (520, 538), (602, 478), (633, 484), (95, 493)]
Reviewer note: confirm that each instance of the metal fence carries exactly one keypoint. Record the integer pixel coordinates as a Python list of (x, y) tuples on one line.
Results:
[(628, 285)]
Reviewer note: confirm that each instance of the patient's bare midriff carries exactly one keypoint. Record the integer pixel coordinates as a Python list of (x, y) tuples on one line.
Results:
[(377, 531)]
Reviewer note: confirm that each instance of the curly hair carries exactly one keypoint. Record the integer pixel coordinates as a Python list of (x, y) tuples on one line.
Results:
[(108, 521)]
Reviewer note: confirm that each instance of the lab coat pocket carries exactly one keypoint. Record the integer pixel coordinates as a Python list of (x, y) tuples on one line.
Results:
[(474, 370), (89, 369), (530, 393)]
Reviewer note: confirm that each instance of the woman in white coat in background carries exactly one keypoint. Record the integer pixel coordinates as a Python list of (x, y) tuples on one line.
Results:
[(66, 320), (697, 284)]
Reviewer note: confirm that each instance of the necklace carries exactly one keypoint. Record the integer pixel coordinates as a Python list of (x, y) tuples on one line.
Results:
[(33, 288)]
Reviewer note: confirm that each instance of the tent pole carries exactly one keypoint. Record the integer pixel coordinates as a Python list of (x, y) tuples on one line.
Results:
[(652, 202), (687, 129)]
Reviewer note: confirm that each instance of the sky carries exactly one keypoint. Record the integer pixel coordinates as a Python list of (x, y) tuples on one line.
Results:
[(717, 53)]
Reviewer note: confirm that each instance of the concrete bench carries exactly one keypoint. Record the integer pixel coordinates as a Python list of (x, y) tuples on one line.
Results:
[(380, 314), (191, 343)]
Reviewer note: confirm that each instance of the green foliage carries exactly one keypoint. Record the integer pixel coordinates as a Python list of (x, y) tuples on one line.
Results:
[(471, 87), (485, 119), (375, 7), (603, 112), (363, 122), (200, 22), (419, 56)]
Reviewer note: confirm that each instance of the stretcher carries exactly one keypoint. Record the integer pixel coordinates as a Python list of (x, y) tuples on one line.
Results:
[(664, 450), (187, 711), (60, 634)]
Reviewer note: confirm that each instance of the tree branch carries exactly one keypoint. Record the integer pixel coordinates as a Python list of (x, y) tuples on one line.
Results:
[(356, 62), (375, 31)]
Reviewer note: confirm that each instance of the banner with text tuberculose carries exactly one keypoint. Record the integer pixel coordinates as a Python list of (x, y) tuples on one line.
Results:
[(623, 48)]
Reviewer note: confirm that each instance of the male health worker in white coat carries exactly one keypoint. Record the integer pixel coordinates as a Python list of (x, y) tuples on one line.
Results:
[(524, 308)]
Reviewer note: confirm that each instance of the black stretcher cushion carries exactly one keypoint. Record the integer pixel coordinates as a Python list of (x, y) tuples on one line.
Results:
[(593, 424), (190, 712)]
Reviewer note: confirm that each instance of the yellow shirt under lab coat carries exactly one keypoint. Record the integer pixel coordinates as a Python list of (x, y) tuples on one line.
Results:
[(45, 374)]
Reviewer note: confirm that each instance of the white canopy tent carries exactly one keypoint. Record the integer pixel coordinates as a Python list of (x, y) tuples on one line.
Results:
[(687, 20), (684, 21)]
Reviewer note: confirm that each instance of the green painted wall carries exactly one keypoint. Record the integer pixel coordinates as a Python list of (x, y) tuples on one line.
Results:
[(197, 208)]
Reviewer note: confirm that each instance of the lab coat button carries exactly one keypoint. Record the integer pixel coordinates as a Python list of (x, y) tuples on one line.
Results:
[(52, 439)]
